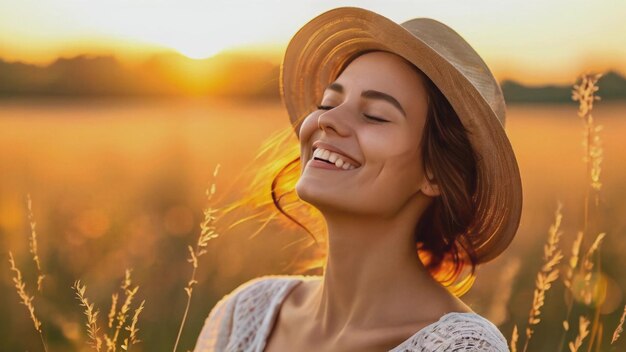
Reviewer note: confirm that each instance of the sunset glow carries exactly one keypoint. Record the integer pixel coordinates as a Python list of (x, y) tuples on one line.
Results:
[(522, 40)]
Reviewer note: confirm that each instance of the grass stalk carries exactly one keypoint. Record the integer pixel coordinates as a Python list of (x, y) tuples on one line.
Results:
[(122, 314), (207, 232), (583, 331), (619, 328), (26, 299), (514, 338), (33, 244), (585, 93), (548, 273), (132, 329), (92, 316)]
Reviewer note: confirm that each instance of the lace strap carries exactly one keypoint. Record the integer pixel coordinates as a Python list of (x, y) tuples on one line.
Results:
[(459, 332)]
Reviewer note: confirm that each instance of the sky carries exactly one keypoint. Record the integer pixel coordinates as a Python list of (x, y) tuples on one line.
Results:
[(531, 41)]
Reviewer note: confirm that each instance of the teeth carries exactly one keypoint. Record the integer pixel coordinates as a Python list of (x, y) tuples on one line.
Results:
[(333, 158)]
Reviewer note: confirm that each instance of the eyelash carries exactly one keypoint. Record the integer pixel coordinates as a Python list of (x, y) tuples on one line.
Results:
[(325, 107)]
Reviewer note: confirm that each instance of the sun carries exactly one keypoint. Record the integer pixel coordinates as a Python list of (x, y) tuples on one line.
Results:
[(197, 52), (194, 45)]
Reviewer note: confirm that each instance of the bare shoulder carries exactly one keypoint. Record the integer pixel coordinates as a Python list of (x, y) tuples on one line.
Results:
[(301, 292)]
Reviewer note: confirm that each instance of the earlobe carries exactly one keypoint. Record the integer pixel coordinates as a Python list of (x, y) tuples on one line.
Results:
[(430, 188)]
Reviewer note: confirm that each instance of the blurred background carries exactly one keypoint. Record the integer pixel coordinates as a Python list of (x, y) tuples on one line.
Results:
[(113, 115)]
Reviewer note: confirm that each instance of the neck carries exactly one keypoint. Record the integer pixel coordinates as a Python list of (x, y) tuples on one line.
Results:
[(372, 277)]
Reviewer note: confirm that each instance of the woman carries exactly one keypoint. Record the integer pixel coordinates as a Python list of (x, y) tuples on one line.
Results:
[(403, 152)]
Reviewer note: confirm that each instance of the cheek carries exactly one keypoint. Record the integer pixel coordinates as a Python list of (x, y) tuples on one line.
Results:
[(395, 158), (384, 145)]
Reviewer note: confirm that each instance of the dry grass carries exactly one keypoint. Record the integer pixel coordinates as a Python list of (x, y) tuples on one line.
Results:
[(132, 329), (583, 331), (207, 232), (585, 269), (26, 299), (117, 319), (585, 94), (112, 310), (573, 262), (121, 316), (619, 328), (33, 244), (514, 338), (548, 273), (95, 340), (92, 316), (20, 285)]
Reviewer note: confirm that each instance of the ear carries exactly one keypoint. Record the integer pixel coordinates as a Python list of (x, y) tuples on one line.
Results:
[(430, 188)]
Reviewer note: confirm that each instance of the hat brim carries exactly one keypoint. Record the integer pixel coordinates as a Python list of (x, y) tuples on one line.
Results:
[(320, 48)]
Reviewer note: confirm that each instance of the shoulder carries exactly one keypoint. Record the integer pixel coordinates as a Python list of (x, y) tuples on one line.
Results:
[(263, 284), (472, 332), (242, 308), (259, 294), (258, 289), (467, 331)]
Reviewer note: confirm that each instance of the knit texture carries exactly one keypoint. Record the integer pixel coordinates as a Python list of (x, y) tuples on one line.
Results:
[(241, 322)]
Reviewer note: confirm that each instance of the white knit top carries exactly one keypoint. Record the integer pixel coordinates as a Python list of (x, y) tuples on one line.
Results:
[(242, 321)]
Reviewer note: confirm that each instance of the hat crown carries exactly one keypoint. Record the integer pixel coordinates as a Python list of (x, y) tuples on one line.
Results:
[(456, 50)]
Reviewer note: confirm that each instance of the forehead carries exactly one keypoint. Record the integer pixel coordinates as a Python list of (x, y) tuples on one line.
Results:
[(381, 68)]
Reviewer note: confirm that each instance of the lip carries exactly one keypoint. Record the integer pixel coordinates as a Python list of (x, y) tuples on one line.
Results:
[(329, 147), (318, 164)]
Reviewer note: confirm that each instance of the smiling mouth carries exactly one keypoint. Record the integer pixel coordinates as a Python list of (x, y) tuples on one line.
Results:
[(332, 158)]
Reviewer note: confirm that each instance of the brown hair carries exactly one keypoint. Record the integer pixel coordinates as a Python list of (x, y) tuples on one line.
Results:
[(442, 231), (446, 224)]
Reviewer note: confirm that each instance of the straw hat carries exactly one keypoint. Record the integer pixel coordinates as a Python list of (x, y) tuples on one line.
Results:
[(319, 49)]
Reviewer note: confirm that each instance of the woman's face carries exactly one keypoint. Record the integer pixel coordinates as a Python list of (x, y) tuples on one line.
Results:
[(373, 117)]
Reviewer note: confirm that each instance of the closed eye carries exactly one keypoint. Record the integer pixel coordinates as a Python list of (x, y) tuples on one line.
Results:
[(326, 107)]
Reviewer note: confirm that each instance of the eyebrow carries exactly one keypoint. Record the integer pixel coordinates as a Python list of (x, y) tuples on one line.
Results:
[(371, 94)]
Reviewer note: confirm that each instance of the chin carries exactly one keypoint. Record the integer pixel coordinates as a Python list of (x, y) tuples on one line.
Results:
[(307, 191), (322, 198)]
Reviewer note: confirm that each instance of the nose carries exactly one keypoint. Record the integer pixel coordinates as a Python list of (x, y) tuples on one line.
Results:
[(335, 119)]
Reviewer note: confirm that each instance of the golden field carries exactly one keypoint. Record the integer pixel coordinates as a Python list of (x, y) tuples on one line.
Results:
[(119, 184)]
